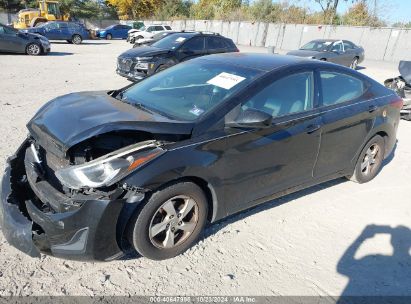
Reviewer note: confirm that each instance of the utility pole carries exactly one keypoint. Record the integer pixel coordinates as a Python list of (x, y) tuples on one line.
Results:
[(375, 9)]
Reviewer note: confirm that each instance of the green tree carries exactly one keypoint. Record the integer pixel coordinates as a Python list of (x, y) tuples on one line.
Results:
[(360, 15), (171, 9)]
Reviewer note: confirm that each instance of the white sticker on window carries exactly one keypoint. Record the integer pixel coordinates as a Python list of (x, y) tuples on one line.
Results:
[(196, 111), (225, 80), (180, 39)]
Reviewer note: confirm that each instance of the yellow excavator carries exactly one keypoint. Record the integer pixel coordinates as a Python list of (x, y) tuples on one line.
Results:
[(47, 11)]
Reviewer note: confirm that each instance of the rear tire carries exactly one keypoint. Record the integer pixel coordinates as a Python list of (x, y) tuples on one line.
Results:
[(76, 39), (370, 161), (33, 49), (170, 222), (109, 37), (354, 63)]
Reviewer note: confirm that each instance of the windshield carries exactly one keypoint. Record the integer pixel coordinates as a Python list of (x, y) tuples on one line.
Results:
[(143, 28), (189, 90), (160, 35), (172, 41), (317, 46)]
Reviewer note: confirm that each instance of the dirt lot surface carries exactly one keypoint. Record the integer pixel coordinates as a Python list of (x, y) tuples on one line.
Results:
[(336, 238)]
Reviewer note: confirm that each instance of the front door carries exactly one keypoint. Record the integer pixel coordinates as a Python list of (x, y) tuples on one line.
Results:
[(10, 41), (266, 161)]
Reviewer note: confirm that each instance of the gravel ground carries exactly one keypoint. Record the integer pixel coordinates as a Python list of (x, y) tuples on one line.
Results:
[(331, 239)]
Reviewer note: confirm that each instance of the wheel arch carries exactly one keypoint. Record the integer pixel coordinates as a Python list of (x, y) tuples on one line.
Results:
[(129, 210)]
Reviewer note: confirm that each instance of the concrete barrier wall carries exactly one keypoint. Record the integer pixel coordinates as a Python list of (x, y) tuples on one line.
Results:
[(389, 44)]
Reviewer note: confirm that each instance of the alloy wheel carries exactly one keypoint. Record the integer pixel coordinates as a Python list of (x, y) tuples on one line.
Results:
[(33, 49), (173, 222), (354, 64), (371, 160)]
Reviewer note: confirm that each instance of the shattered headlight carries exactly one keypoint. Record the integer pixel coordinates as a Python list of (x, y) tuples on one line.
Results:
[(106, 170)]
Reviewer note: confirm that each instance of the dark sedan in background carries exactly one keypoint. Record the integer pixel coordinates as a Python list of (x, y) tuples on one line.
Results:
[(147, 166), (341, 52), (15, 41), (138, 63), (72, 32)]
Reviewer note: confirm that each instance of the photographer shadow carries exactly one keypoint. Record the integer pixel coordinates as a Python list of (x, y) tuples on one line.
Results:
[(378, 275)]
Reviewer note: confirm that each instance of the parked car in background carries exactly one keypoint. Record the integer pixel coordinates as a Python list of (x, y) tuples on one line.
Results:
[(116, 31), (147, 166), (402, 86), (155, 38), (146, 32), (15, 41), (341, 52), (72, 32), (138, 63)]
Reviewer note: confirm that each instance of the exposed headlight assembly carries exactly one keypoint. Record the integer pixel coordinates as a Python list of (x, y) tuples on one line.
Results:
[(144, 58), (109, 169)]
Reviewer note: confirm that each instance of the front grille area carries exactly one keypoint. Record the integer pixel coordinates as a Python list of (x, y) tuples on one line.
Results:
[(124, 64), (50, 164)]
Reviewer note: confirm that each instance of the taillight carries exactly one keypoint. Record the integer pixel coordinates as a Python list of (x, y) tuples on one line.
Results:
[(397, 103)]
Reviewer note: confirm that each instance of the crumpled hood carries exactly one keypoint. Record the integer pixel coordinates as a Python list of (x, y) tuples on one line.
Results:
[(405, 70), (303, 53), (143, 51), (73, 118)]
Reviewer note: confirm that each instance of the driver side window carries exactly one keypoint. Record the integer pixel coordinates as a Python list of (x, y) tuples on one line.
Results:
[(291, 94)]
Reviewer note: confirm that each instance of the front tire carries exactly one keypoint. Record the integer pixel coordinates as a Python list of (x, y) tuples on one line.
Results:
[(109, 37), (33, 49), (370, 161), (170, 222)]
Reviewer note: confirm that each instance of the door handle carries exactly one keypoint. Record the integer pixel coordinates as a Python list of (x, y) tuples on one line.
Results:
[(372, 108), (312, 128)]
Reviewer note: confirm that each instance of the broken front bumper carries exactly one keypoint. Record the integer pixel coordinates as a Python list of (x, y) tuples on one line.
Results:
[(86, 233)]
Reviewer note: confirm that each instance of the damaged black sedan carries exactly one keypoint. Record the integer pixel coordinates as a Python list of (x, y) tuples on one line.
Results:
[(146, 167)]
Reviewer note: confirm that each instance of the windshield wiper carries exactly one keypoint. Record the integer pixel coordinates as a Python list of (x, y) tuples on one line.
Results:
[(137, 105)]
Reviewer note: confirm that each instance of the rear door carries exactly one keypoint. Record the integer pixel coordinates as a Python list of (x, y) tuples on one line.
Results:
[(215, 45), (348, 112), (65, 33), (192, 48), (350, 52)]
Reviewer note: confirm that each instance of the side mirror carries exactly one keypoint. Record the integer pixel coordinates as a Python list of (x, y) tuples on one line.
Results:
[(251, 118)]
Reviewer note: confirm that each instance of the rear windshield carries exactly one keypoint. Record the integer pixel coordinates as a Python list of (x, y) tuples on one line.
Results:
[(205, 85), (173, 41)]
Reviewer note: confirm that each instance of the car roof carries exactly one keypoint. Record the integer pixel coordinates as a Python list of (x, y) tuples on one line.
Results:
[(260, 61)]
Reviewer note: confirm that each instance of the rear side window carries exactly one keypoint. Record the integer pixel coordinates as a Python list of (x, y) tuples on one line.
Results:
[(348, 45), (168, 27), (216, 43), (159, 28), (195, 44), (338, 88), (291, 94)]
